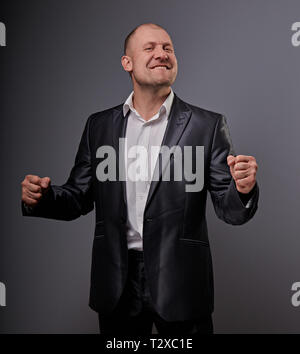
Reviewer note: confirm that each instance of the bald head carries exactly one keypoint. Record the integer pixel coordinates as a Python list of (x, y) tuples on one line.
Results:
[(130, 36)]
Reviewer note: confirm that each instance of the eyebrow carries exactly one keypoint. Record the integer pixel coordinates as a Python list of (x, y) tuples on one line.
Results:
[(153, 43)]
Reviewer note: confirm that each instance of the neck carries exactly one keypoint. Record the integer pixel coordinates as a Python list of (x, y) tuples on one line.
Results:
[(148, 101)]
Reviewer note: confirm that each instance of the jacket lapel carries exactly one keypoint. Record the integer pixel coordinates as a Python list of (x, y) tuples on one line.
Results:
[(179, 117), (118, 131)]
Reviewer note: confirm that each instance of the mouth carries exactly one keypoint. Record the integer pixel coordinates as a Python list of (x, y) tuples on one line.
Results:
[(160, 66)]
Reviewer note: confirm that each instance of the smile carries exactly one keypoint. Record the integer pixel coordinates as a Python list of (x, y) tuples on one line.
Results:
[(160, 67)]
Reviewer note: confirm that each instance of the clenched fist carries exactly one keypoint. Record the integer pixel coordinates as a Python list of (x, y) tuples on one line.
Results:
[(33, 188), (243, 170)]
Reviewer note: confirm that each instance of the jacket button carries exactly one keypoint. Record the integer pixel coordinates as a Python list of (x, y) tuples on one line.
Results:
[(149, 219)]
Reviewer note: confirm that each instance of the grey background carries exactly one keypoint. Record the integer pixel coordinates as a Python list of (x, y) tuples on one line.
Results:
[(62, 63)]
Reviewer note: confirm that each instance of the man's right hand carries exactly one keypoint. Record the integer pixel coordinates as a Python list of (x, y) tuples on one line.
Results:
[(33, 188)]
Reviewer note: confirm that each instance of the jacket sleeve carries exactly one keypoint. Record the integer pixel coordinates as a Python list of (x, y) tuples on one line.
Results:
[(230, 206), (75, 197)]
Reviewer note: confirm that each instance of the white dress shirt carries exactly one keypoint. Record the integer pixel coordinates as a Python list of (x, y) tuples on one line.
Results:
[(146, 134)]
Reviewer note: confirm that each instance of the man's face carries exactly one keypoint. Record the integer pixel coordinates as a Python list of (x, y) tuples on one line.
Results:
[(151, 57)]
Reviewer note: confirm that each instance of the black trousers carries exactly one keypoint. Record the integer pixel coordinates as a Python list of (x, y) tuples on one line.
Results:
[(134, 313)]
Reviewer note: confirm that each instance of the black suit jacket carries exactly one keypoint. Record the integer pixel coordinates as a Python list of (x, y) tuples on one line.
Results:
[(177, 255)]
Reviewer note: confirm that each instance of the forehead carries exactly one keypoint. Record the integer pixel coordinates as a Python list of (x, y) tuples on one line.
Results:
[(146, 34)]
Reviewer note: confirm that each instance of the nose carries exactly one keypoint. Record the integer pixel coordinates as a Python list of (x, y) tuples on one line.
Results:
[(160, 53)]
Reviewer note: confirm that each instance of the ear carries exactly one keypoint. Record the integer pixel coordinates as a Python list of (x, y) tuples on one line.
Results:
[(126, 63)]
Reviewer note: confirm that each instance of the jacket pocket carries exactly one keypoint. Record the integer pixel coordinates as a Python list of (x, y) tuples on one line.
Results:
[(99, 229), (194, 241)]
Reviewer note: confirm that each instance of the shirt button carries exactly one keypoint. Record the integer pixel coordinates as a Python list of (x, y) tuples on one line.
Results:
[(149, 220)]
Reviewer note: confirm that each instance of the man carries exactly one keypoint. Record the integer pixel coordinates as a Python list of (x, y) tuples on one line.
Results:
[(151, 259)]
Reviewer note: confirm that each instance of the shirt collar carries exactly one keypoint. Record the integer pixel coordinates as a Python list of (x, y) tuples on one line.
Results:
[(166, 105)]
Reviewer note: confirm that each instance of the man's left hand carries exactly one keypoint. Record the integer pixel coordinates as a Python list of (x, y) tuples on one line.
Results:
[(243, 170)]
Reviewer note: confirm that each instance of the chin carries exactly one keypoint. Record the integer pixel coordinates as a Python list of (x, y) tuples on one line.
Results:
[(163, 82), (156, 83)]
